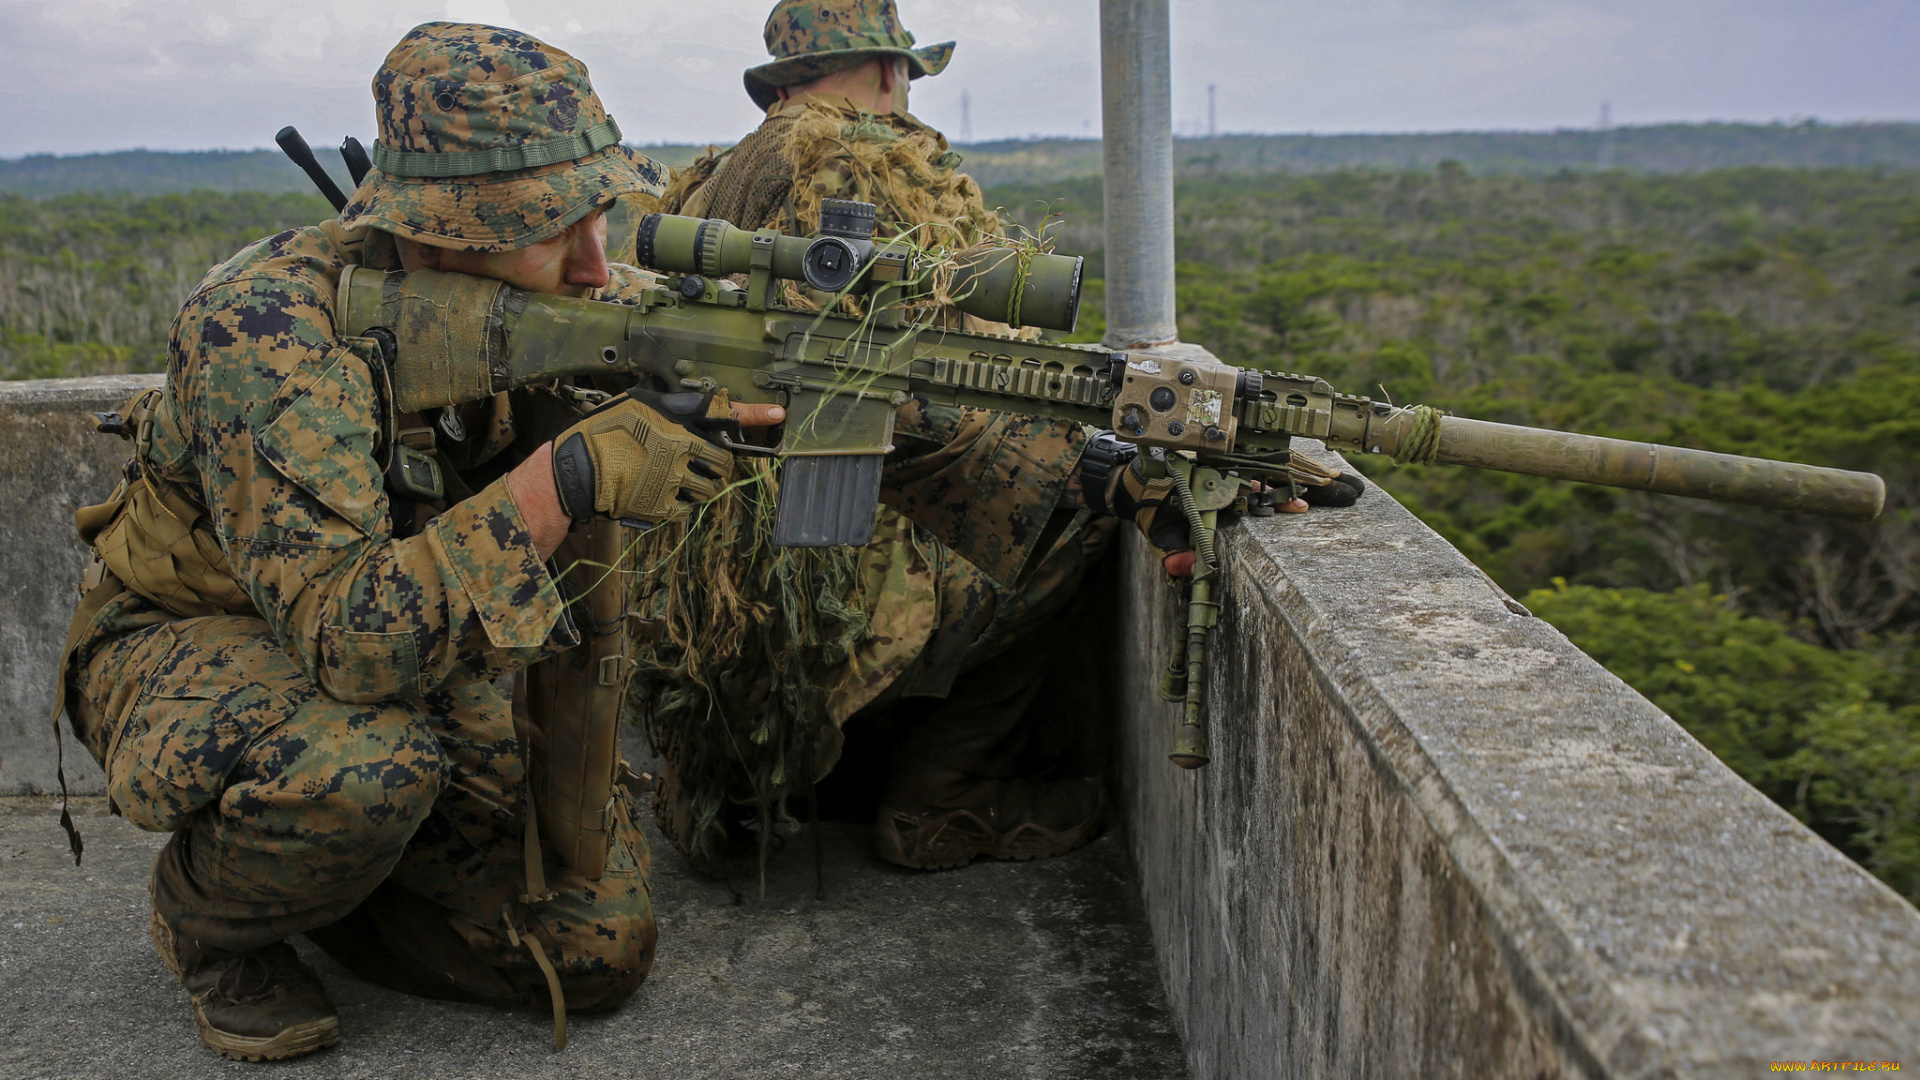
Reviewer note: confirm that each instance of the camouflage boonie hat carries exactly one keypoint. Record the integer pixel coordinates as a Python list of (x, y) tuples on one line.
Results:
[(810, 39), (490, 140)]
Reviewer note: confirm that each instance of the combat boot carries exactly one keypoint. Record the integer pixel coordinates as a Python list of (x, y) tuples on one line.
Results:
[(262, 1005), (940, 819)]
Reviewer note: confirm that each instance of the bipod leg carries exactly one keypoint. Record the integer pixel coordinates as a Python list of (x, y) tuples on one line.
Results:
[(1190, 741), (1173, 681)]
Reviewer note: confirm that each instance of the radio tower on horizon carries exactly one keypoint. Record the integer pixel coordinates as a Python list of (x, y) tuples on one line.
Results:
[(1211, 130), (966, 117), (1605, 160)]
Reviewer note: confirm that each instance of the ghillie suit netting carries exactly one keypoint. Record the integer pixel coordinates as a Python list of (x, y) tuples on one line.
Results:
[(734, 690), (777, 175)]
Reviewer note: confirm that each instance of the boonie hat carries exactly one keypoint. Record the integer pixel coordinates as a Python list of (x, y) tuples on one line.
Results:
[(490, 140), (809, 39)]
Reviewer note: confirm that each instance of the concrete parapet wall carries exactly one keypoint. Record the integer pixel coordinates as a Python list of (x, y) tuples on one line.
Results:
[(52, 462), (1437, 840)]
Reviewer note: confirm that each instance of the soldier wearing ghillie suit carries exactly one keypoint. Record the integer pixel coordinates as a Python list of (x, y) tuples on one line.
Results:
[(288, 639), (837, 127), (765, 658)]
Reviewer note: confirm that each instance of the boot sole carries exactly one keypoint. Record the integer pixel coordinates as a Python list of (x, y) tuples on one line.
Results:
[(290, 1042), (903, 840)]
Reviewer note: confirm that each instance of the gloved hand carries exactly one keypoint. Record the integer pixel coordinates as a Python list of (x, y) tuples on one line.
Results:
[(1152, 506), (1344, 489), (1321, 486), (1114, 482), (641, 457)]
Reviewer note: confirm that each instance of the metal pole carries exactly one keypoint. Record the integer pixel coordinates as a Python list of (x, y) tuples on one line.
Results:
[(1137, 147)]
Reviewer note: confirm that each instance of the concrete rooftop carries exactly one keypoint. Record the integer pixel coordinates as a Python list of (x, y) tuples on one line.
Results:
[(999, 970)]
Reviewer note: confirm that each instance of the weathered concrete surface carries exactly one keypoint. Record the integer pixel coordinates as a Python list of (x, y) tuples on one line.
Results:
[(1437, 840), (1029, 970), (52, 462)]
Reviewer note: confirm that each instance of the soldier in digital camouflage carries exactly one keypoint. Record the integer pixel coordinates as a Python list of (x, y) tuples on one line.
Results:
[(285, 656), (770, 660)]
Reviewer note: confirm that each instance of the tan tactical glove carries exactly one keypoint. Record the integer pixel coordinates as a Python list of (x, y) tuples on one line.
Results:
[(639, 459), (1153, 507), (1114, 483)]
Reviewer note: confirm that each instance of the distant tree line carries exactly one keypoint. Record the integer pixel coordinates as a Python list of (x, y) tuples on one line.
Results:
[(89, 283), (1659, 148)]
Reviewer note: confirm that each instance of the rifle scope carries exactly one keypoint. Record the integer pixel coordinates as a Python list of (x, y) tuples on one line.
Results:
[(999, 284)]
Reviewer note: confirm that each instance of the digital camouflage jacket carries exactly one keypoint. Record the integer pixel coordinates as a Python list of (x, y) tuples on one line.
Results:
[(282, 432)]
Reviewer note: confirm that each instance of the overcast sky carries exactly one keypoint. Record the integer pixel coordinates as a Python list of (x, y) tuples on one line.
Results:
[(189, 74)]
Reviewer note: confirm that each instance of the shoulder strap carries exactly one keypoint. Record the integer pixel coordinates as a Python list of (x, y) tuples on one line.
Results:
[(99, 588)]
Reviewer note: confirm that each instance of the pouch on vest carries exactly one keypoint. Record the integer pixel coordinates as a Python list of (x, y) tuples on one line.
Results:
[(154, 538)]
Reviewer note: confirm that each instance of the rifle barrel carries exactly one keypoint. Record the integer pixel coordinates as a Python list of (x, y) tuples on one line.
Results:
[(1670, 470)]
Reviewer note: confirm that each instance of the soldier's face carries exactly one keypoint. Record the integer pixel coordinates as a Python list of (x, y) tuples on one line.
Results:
[(573, 263)]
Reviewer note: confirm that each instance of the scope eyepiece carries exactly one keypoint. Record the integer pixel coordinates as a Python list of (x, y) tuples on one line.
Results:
[(644, 253)]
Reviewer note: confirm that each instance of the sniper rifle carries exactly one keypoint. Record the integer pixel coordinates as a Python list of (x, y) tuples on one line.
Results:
[(1221, 432)]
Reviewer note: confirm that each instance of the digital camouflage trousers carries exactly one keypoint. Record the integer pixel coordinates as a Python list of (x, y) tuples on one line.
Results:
[(390, 833)]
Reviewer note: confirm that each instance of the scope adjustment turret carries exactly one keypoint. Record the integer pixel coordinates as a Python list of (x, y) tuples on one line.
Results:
[(845, 217)]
